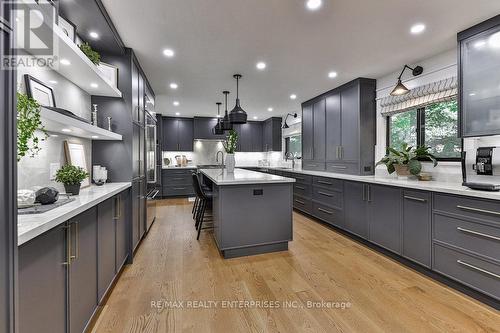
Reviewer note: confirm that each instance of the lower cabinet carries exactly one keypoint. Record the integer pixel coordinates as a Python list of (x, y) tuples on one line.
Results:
[(177, 182), (120, 218), (135, 192), (417, 227), (355, 215), (106, 245)]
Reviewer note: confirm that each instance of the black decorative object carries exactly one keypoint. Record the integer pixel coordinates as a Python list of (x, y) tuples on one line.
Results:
[(237, 114), (226, 123), (285, 125), (400, 88), (218, 129), (39, 91), (47, 195), (72, 188)]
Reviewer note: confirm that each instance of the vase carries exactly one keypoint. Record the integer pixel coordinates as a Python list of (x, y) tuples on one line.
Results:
[(402, 170), (73, 189), (230, 163)]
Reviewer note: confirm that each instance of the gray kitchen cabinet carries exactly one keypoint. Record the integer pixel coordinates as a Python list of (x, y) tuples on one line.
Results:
[(120, 218), (135, 213), (169, 134), (142, 208), (42, 282), (250, 136), (417, 226), (177, 182), (185, 134), (141, 100), (307, 132), (272, 134), (135, 92), (203, 129), (384, 214), (83, 270), (257, 136), (319, 134), (136, 142), (142, 152), (333, 127), (355, 208), (106, 246), (178, 134), (350, 131)]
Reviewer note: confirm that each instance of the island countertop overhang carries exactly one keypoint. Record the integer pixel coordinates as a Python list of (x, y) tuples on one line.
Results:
[(221, 177)]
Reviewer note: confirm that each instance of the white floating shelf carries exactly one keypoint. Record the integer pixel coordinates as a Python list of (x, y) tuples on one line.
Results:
[(56, 122)]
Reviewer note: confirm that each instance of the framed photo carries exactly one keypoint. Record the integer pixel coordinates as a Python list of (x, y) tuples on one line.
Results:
[(110, 72), (39, 91), (75, 155), (68, 28)]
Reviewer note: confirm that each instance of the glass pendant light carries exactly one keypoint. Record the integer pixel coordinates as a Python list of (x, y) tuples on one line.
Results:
[(218, 129), (237, 115), (226, 123)]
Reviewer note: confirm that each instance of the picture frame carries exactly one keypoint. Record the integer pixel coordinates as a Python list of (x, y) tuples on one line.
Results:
[(75, 155), (68, 28), (110, 72), (39, 91)]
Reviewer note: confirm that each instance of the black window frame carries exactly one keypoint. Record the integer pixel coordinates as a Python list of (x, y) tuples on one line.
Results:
[(287, 142), (421, 134)]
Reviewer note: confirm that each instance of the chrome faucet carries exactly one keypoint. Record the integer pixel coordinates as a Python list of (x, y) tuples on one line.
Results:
[(290, 156), (222, 157)]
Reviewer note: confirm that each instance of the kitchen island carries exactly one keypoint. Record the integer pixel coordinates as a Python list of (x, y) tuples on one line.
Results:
[(252, 211)]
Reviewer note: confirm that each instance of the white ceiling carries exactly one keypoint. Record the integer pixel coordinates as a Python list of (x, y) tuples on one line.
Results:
[(214, 39)]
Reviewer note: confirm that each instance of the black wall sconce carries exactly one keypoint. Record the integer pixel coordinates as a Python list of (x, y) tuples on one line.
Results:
[(400, 88), (285, 125)]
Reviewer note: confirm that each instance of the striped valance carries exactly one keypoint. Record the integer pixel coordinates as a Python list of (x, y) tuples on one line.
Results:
[(419, 97)]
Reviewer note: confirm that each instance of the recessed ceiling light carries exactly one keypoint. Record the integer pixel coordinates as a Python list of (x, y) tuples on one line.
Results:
[(293, 96), (94, 85), (332, 75), (95, 136), (65, 62), (53, 81), (93, 35), (177, 114), (168, 53), (417, 28), (261, 65), (66, 130), (313, 4), (255, 117), (270, 109), (54, 135), (176, 103), (174, 85), (472, 94), (479, 44)]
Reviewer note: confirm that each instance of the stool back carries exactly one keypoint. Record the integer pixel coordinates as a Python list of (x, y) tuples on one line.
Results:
[(197, 186)]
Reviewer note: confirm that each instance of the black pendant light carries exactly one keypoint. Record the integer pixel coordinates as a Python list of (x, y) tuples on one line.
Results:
[(237, 115), (285, 125), (400, 88), (218, 129), (226, 123)]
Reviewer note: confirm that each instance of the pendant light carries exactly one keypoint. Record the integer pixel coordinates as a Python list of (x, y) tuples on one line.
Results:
[(400, 88), (237, 115), (226, 123), (218, 129)]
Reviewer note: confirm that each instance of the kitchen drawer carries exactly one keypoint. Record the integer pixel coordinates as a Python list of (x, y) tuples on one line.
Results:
[(302, 179), (468, 207), (177, 180), (177, 172), (180, 190), (330, 183), (472, 271), (475, 237), (327, 214), (303, 190), (343, 167), (302, 204), (313, 165), (332, 198)]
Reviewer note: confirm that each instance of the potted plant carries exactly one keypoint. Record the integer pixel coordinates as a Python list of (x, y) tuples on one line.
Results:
[(93, 56), (230, 148), (28, 123), (71, 176), (407, 161)]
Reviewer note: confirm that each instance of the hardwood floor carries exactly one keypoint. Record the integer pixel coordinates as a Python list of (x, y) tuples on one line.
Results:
[(380, 294)]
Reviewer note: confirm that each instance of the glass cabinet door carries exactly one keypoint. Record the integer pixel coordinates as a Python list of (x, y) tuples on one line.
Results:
[(480, 79)]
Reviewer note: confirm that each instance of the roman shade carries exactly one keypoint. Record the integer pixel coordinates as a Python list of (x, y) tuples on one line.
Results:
[(419, 97)]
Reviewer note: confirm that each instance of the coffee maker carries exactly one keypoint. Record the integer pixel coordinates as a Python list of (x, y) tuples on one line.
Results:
[(481, 168)]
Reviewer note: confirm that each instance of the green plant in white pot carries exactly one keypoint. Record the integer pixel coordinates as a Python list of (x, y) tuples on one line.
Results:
[(72, 177), (28, 123), (230, 147), (407, 161)]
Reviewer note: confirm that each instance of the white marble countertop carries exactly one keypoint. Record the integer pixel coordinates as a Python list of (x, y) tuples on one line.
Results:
[(435, 186), (221, 177), (178, 167), (33, 225)]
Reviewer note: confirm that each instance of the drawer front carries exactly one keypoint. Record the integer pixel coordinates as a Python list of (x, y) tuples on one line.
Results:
[(327, 214), (302, 204), (302, 179), (471, 236), (178, 180), (177, 172), (180, 190), (468, 207), (313, 165), (347, 168), (327, 196), (474, 272), (328, 183), (303, 190)]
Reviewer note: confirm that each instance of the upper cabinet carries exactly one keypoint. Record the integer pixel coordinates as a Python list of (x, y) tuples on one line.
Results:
[(203, 129), (249, 136), (338, 129), (178, 134), (271, 139), (479, 82)]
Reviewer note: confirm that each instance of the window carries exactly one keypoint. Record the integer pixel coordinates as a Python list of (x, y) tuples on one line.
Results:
[(435, 126), (293, 144)]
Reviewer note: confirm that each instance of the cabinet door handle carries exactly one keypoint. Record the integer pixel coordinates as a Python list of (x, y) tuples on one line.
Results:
[(299, 178), (364, 192), (338, 167), (325, 211), (67, 230), (300, 202), (179, 188), (312, 165), (478, 210), (369, 193), (472, 232), (415, 199), (466, 264), (77, 241), (325, 194), (300, 187), (341, 152), (324, 183)]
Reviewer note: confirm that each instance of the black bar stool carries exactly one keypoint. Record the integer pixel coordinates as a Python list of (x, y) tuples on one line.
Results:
[(196, 199), (204, 200)]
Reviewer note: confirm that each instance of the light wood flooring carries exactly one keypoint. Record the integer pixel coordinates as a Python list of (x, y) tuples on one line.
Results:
[(320, 264)]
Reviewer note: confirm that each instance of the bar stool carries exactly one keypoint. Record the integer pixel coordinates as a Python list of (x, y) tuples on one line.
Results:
[(196, 199), (204, 200)]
